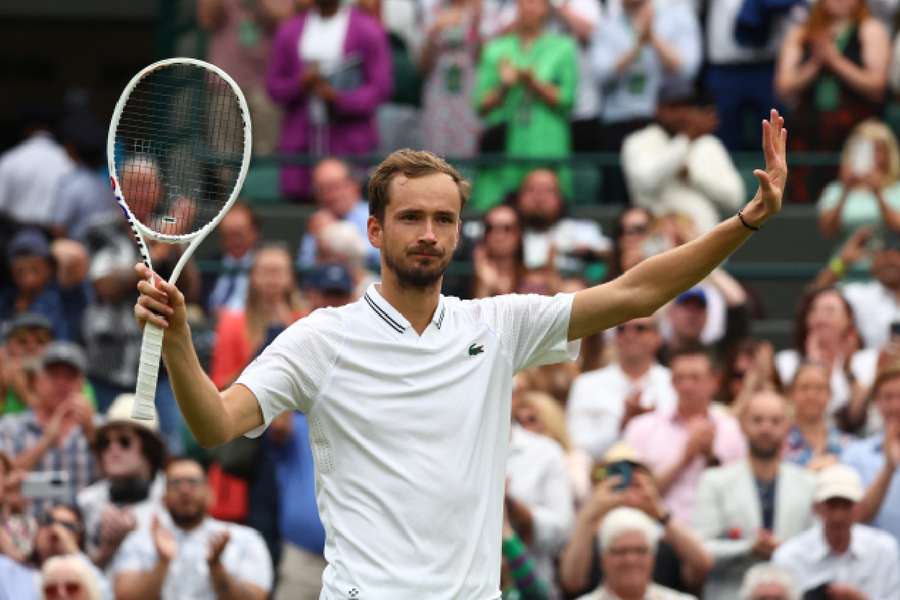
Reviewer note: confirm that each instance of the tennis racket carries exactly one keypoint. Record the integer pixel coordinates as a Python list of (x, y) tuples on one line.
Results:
[(178, 151)]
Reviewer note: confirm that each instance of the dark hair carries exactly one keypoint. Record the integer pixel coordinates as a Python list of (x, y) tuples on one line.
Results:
[(412, 164), (241, 205), (180, 458), (801, 331), (745, 347), (695, 350), (615, 259)]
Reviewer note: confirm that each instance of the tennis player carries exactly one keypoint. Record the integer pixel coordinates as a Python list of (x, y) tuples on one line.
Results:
[(407, 392)]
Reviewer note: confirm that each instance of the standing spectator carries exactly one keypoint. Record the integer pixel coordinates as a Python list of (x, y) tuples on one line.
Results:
[(580, 19), (628, 543), (677, 165), (57, 432), (833, 69), (633, 54), (746, 509), (68, 578), (238, 236), (497, 260), (602, 403), (838, 557), (331, 87), (30, 173), (679, 443), (450, 125), (877, 458), (868, 193), (240, 39), (525, 92), (273, 303), (812, 441), (26, 337), (767, 581), (186, 553)]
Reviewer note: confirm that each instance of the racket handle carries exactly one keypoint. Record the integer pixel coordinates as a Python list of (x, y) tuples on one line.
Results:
[(148, 370)]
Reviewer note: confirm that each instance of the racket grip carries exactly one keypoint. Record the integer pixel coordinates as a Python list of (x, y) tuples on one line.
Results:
[(148, 370)]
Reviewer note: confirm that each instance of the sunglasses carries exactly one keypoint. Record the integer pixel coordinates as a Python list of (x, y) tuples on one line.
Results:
[(505, 227), (123, 441), (636, 327), (48, 520), (54, 590)]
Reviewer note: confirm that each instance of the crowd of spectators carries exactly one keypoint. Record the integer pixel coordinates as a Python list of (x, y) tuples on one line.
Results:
[(678, 457)]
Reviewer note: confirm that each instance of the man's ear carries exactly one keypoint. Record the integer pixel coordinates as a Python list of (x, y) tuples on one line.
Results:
[(374, 231)]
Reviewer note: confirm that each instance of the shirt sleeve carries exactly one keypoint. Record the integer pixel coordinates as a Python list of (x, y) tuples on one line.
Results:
[(249, 561), (593, 417), (533, 329), (288, 374), (135, 554), (888, 575)]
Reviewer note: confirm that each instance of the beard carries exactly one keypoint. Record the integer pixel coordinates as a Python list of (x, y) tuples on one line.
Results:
[(187, 518), (763, 450), (415, 276)]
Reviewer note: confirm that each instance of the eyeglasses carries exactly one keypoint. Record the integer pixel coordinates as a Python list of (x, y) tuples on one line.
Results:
[(56, 590), (191, 482), (504, 227), (123, 441), (635, 229), (636, 327)]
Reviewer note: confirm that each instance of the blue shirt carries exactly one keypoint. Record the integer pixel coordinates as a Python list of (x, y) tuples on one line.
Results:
[(799, 452), (867, 457), (17, 582), (64, 308), (295, 473)]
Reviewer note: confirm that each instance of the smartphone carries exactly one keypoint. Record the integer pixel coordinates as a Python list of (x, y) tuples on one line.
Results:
[(47, 485), (862, 157), (623, 469), (895, 329)]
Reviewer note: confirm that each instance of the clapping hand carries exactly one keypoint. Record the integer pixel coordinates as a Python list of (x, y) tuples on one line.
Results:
[(217, 543)]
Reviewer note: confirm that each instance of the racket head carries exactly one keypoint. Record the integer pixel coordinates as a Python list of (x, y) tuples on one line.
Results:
[(178, 148)]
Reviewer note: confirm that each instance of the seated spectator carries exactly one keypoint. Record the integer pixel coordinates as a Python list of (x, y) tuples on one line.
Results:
[(57, 432), (837, 557), (130, 455), (677, 165), (877, 459), (497, 260), (17, 580), (68, 578), (46, 280), (61, 535), (832, 69), (186, 553), (525, 92), (337, 194), (868, 192), (603, 402), (273, 303), (746, 509), (17, 528), (632, 230), (340, 243), (767, 581), (680, 562), (27, 334), (812, 441), (628, 543), (238, 236), (328, 285), (679, 443), (330, 67), (749, 368), (518, 572)]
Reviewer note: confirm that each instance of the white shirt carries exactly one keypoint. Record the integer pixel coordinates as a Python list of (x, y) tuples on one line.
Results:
[(567, 236), (654, 592), (870, 564), (322, 40), (538, 477), (874, 307), (722, 45), (30, 174), (409, 434), (93, 499), (245, 558), (863, 365), (597, 402)]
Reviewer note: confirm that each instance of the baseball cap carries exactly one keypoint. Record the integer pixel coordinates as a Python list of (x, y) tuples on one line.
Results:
[(333, 278), (838, 481), (65, 353), (28, 320), (28, 242), (622, 452), (694, 294)]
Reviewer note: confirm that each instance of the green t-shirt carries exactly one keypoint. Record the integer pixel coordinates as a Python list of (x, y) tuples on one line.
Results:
[(860, 209), (12, 404)]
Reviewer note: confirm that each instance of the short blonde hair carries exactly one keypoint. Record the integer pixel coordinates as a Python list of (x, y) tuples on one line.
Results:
[(79, 566), (878, 132), (412, 164)]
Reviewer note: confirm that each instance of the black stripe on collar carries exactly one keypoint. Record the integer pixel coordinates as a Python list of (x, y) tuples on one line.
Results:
[(440, 320), (384, 316)]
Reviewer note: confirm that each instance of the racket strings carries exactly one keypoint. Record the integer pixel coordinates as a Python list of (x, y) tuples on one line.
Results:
[(179, 145)]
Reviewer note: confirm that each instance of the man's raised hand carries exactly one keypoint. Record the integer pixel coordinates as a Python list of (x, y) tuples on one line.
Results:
[(773, 179)]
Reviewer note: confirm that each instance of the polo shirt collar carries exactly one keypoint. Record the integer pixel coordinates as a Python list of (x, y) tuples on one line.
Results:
[(392, 317)]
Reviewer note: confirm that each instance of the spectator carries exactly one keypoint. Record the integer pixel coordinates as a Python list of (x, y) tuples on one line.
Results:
[(525, 92), (328, 285), (340, 243), (27, 334), (679, 443), (633, 55), (632, 230), (876, 459), (746, 509), (838, 557), (239, 42), (628, 542), (186, 553), (17, 581), (338, 196), (680, 562), (30, 172), (519, 579), (17, 529), (57, 432), (831, 69), (331, 88), (677, 166), (580, 19), (497, 260), (130, 455), (450, 125), (238, 236), (749, 368), (603, 402), (46, 280), (273, 303), (812, 441), (767, 581), (68, 578), (868, 193)]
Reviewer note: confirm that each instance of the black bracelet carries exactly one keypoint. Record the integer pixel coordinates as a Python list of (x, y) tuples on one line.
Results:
[(745, 223)]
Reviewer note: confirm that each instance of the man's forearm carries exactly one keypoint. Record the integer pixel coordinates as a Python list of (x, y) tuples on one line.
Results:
[(139, 585), (29, 458), (230, 588), (696, 561), (871, 502), (575, 560)]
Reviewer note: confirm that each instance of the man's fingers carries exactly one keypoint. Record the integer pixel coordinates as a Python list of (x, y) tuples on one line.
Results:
[(148, 289), (143, 315), (160, 308), (764, 181)]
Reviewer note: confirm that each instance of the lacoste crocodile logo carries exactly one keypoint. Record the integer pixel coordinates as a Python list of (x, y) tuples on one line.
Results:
[(476, 349)]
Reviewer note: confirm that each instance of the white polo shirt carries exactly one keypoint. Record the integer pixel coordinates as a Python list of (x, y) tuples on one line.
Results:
[(409, 434)]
